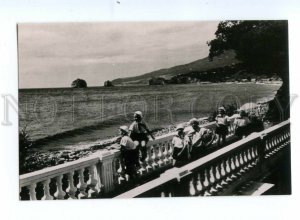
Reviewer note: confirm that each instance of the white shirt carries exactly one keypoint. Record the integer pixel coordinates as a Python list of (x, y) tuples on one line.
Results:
[(178, 142), (127, 143), (196, 135), (241, 121), (138, 127), (222, 120)]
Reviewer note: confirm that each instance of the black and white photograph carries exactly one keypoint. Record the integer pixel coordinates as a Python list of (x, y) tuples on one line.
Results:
[(153, 109)]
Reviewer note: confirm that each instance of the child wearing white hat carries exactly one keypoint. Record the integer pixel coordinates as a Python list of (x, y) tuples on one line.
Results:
[(129, 153), (139, 131), (180, 147), (222, 121)]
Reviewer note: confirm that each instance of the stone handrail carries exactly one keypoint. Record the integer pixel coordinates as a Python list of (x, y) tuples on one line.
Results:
[(216, 172), (96, 174), (91, 174)]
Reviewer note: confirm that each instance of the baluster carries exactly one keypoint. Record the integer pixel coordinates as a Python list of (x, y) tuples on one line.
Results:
[(165, 154), (143, 169), (154, 157), (276, 143), (245, 161), (160, 155), (232, 166), (212, 180), (272, 145), (82, 185), (281, 140), (249, 158), (228, 171), (223, 173), (71, 190), (59, 194), (278, 146), (192, 190), (47, 195), (206, 183), (237, 165), (148, 160), (241, 160), (253, 156), (120, 171), (32, 192), (170, 152), (218, 177), (289, 137), (93, 182), (199, 185), (286, 138), (211, 175), (267, 147)]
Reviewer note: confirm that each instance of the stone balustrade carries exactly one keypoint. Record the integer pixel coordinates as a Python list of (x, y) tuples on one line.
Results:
[(219, 172), (99, 174), (80, 179)]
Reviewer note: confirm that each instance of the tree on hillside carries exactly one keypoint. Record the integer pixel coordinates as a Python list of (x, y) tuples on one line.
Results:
[(262, 46)]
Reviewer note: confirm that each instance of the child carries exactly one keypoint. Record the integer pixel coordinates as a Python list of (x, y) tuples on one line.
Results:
[(128, 152), (241, 125), (222, 123), (199, 139), (180, 148), (138, 131)]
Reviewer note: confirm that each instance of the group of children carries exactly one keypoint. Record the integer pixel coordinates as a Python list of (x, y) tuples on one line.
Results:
[(188, 145), (133, 144)]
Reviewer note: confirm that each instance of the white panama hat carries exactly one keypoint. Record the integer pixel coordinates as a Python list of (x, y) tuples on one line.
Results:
[(139, 113), (179, 127), (124, 128)]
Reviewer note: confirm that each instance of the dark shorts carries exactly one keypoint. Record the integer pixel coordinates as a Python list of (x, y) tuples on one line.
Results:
[(241, 131), (197, 152), (130, 157), (130, 161), (222, 130), (139, 137)]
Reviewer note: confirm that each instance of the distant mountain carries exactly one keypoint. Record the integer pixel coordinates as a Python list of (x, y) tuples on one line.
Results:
[(228, 58)]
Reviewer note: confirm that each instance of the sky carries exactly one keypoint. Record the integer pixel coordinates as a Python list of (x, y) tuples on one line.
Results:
[(55, 54)]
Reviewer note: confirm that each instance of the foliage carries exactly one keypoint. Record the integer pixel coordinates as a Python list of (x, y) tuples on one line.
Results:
[(79, 83), (157, 81), (24, 144), (262, 46)]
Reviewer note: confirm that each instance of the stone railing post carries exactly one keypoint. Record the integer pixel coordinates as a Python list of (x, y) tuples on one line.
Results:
[(108, 171), (261, 151)]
